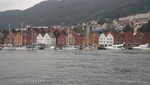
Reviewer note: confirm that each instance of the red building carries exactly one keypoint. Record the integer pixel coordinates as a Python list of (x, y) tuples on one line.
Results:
[(147, 37), (61, 40), (79, 39), (9, 39), (135, 40), (118, 37)]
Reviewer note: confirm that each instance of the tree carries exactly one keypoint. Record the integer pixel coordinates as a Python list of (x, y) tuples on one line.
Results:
[(145, 27), (79, 30), (128, 28), (109, 27)]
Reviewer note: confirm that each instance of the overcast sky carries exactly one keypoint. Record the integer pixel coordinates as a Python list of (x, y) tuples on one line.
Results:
[(17, 4)]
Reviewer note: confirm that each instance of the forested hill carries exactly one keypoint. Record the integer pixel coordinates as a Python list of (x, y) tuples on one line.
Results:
[(72, 11)]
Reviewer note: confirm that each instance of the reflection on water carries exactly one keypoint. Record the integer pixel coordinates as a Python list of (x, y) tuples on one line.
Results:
[(105, 67)]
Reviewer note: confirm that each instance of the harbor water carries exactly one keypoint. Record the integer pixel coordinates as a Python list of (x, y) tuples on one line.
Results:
[(97, 67)]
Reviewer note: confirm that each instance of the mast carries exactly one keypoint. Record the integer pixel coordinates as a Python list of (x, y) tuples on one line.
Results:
[(87, 35), (21, 35), (32, 41), (68, 38), (9, 32)]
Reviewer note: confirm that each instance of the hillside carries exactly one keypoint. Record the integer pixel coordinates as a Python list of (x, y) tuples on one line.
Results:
[(72, 11)]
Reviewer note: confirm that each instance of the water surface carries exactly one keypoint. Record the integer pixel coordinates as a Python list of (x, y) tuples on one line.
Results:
[(51, 67)]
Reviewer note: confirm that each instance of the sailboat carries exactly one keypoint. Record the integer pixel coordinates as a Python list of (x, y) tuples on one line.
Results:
[(115, 47)]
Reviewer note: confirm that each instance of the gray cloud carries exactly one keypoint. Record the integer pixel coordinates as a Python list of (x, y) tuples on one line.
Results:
[(17, 4)]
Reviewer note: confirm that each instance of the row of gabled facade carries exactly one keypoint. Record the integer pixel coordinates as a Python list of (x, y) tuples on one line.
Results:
[(46, 36), (127, 38), (48, 39), (29, 36)]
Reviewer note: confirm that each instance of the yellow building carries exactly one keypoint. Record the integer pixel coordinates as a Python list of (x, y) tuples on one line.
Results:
[(70, 40), (18, 39)]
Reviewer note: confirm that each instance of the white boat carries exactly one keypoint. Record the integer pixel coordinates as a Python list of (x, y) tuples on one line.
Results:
[(21, 48), (115, 47), (14, 48), (70, 48), (143, 47), (90, 48), (9, 48), (52, 47)]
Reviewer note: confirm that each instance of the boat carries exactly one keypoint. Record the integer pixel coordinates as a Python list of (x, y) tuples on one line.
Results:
[(89, 48), (32, 47), (9, 48), (128, 48), (115, 47), (41, 47), (21, 48), (51, 47), (142, 47), (101, 47), (58, 48), (70, 47)]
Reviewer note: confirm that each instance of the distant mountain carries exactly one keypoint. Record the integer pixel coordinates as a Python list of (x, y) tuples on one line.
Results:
[(72, 11)]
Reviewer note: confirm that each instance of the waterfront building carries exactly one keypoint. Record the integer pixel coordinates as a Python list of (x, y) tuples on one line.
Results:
[(70, 39), (79, 39), (134, 40), (106, 39), (49, 40), (39, 39), (46, 39), (18, 40), (147, 37), (61, 40), (9, 39), (93, 39)]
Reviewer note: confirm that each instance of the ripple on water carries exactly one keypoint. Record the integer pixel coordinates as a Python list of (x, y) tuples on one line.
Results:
[(75, 68)]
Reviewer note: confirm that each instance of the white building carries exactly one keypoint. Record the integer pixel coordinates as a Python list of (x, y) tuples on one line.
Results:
[(39, 39), (110, 39), (47, 39), (106, 40)]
